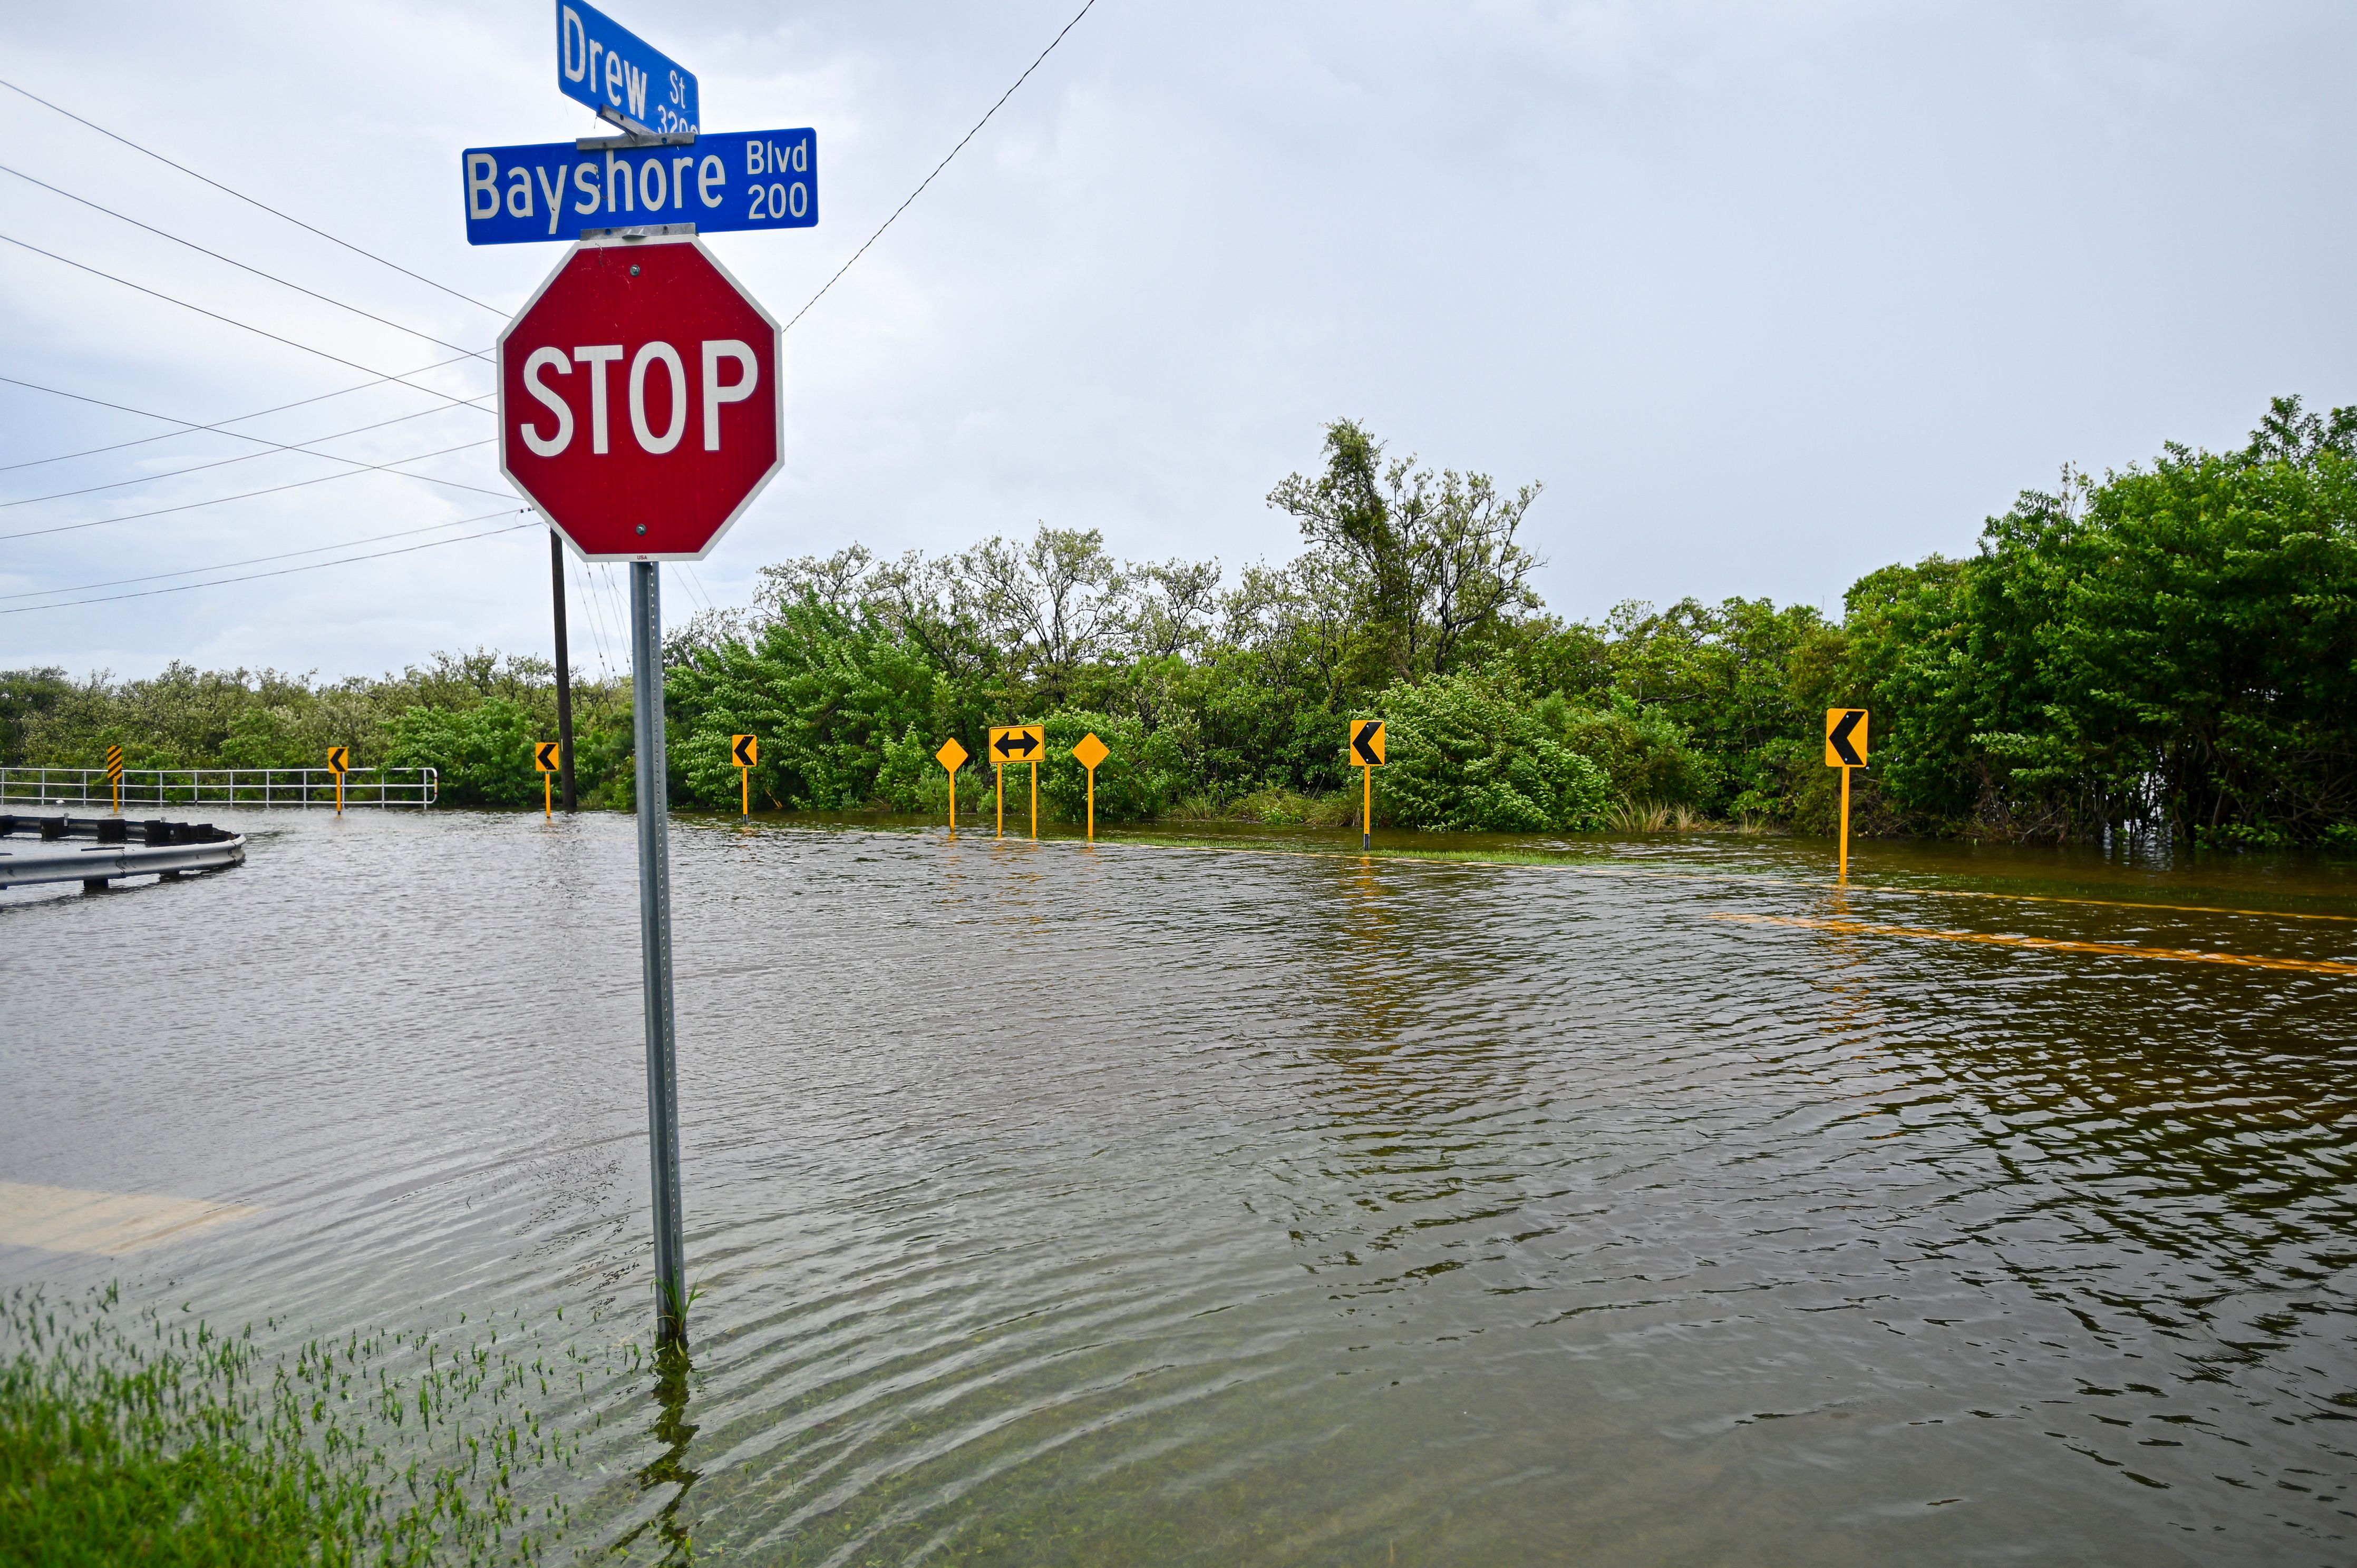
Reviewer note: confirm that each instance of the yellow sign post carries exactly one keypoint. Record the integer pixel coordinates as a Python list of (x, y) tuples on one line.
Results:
[(952, 757), (1090, 752), (1367, 752), (745, 750), (1018, 743), (339, 762), (547, 755), (1845, 750), (115, 775)]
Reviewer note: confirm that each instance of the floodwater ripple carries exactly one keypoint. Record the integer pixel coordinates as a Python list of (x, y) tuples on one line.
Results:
[(1057, 1204)]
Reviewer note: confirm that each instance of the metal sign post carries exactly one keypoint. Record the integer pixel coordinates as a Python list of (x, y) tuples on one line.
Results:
[(639, 410), (339, 762), (654, 952), (950, 756), (1088, 754), (115, 775), (1018, 743), (547, 757), (1845, 750), (745, 750), (1367, 751)]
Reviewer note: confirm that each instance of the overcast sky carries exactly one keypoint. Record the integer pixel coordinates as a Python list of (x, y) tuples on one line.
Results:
[(1768, 295)]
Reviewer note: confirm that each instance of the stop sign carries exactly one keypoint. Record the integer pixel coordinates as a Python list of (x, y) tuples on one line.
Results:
[(639, 399)]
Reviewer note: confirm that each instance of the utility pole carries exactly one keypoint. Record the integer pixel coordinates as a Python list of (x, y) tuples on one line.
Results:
[(563, 672)]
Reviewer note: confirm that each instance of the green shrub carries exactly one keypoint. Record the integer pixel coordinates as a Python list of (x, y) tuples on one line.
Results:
[(483, 752), (1144, 774), (1472, 756)]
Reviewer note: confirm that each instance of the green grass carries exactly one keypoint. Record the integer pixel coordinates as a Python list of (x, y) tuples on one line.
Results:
[(148, 1437)]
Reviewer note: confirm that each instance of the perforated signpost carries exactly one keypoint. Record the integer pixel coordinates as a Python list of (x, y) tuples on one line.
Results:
[(639, 409)]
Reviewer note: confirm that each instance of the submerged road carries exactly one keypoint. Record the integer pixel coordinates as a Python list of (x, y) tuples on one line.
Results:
[(1135, 1204)]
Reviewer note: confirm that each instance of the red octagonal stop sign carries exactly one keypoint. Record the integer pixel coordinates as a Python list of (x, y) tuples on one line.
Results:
[(639, 400)]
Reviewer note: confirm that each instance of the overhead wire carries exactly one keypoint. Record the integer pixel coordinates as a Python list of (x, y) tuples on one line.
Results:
[(225, 462), (379, 377), (222, 426), (217, 316), (274, 489), (257, 271), (257, 560), (597, 618), (281, 572), (953, 152), (251, 202)]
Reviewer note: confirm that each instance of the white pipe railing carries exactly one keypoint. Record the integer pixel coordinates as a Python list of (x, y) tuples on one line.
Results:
[(264, 787)]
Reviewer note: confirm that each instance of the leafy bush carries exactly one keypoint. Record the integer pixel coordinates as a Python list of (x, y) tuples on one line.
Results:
[(1472, 756), (1143, 775), (483, 752)]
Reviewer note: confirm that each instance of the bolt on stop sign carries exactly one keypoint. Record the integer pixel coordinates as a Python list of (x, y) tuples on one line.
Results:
[(639, 399)]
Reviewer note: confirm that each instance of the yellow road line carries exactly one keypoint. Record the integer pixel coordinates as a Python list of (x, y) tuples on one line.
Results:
[(2107, 903), (1750, 877), (2052, 944), (1644, 872)]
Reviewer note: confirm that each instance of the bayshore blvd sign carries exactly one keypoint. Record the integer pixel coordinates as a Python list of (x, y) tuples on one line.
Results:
[(639, 399)]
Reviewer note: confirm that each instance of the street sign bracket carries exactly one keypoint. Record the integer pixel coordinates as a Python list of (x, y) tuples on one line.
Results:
[(634, 139), (639, 232)]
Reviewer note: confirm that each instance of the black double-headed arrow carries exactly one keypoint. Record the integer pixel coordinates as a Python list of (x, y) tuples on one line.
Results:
[(742, 749), (1019, 745), (1838, 738)]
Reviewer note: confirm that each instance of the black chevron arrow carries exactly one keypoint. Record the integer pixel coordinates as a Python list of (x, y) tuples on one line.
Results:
[(1839, 739), (742, 742), (547, 757), (1362, 743), (1020, 744)]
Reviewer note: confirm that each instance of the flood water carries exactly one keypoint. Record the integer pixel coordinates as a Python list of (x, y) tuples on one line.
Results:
[(1139, 1203)]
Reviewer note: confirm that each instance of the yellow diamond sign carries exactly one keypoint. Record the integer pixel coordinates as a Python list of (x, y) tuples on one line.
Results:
[(952, 756), (1092, 751)]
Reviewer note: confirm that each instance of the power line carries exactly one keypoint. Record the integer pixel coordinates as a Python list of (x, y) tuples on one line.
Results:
[(221, 425), (250, 201), (257, 560), (217, 316), (225, 462), (283, 571), (257, 271), (969, 136), (274, 489)]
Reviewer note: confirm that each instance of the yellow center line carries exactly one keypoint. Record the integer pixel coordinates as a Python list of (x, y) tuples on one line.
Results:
[(2054, 944), (1647, 871)]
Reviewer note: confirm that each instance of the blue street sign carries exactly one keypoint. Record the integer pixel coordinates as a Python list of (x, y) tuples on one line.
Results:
[(720, 181), (621, 75)]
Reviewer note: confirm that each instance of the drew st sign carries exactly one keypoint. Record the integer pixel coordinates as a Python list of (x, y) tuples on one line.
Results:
[(619, 75), (639, 399)]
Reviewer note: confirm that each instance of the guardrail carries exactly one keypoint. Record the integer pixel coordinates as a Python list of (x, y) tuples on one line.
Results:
[(266, 786), (95, 851)]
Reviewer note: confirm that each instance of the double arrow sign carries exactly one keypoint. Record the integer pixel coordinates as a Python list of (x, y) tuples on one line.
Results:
[(1019, 743)]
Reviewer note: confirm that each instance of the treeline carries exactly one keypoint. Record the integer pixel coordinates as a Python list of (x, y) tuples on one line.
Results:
[(2171, 649)]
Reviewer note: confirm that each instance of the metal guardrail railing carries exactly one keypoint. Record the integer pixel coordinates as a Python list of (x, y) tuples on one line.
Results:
[(97, 851), (266, 786)]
